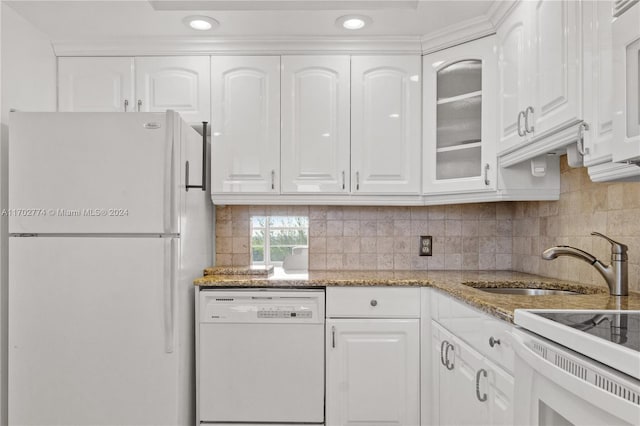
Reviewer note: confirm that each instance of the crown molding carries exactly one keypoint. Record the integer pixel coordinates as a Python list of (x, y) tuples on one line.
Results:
[(499, 11), (459, 33), (400, 45)]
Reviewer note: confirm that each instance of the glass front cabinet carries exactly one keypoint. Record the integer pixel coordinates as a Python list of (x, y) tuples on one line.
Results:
[(459, 128)]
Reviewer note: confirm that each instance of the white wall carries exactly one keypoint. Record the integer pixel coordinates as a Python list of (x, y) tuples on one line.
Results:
[(27, 83)]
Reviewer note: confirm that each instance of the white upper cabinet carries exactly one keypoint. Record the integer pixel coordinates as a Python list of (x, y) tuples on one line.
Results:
[(180, 83), (459, 118), (385, 124), (95, 84), (315, 124), (147, 84), (626, 81), (540, 75), (554, 59), (245, 144), (512, 59), (597, 81)]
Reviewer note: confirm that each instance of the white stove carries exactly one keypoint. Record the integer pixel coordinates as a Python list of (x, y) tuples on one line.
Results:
[(610, 337), (577, 367)]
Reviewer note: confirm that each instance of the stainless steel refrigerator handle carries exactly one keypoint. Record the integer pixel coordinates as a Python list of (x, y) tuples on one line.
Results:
[(203, 186), (170, 279)]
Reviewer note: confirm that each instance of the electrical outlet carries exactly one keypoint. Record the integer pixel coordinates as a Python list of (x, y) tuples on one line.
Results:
[(426, 247)]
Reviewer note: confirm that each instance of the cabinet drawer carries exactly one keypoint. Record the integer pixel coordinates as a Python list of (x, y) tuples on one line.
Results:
[(373, 302), (475, 328)]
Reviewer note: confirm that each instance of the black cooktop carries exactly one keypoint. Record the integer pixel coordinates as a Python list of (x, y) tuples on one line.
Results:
[(622, 328)]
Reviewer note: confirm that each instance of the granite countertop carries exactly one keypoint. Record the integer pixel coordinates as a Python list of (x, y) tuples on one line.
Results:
[(458, 284)]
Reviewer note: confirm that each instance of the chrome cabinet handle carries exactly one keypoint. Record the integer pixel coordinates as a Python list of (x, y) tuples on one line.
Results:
[(373, 302), (139, 105), (493, 342), (126, 105), (520, 132), (483, 397), (451, 365), (333, 336), (273, 179), (580, 140), (526, 120), (343, 180), (357, 181), (486, 174)]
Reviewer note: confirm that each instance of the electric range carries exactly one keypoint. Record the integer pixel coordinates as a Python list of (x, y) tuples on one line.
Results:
[(610, 337)]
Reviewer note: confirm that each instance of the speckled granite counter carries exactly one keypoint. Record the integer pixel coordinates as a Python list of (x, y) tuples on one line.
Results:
[(458, 284)]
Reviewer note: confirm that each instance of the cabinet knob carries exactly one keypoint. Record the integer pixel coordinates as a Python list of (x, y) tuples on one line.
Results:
[(374, 302), (493, 342)]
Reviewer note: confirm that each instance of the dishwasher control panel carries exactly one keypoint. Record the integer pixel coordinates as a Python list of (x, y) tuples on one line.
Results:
[(269, 306)]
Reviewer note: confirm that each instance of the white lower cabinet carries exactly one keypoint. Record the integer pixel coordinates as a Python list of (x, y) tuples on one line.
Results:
[(468, 367), (373, 362), (462, 377), (373, 371)]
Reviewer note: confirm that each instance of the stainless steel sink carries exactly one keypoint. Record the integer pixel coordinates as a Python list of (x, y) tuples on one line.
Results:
[(527, 291)]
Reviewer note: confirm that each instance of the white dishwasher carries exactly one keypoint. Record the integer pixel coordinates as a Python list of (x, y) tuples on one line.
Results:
[(260, 356)]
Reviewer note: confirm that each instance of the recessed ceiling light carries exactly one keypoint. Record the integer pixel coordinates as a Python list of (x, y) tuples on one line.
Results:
[(200, 23), (353, 22)]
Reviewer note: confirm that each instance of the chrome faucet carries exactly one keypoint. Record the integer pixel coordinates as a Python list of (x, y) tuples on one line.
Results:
[(616, 275)]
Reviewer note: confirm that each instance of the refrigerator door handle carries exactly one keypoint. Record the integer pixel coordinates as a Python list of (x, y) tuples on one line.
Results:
[(203, 186), (170, 280), (172, 197)]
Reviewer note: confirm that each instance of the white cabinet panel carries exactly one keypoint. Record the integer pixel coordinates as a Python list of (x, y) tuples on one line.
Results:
[(95, 84), (598, 81), (540, 78), (180, 83), (373, 372), (626, 80), (315, 124), (459, 118), (246, 124), (462, 377), (554, 62), (385, 124), (513, 87)]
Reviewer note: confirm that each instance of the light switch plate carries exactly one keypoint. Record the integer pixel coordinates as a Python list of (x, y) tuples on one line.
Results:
[(426, 247)]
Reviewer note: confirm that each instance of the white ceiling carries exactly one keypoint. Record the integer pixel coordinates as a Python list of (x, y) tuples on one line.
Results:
[(117, 19)]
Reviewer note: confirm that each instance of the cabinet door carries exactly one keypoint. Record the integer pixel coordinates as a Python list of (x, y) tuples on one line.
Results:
[(555, 65), (245, 147), (180, 83), (373, 372), (626, 78), (385, 124), (513, 85), (95, 84), (459, 118), (460, 381), (598, 81), (315, 124)]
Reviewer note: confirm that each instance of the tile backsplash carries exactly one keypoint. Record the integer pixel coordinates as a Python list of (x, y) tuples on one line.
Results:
[(483, 236), (612, 209), (467, 236)]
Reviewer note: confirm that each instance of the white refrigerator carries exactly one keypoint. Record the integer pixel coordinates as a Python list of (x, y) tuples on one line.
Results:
[(105, 241)]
